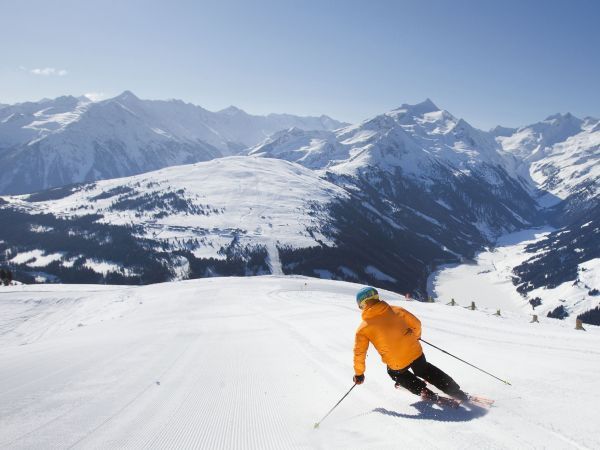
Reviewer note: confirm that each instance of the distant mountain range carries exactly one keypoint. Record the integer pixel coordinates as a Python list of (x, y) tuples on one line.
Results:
[(68, 140), (556, 160), (560, 155), (382, 202)]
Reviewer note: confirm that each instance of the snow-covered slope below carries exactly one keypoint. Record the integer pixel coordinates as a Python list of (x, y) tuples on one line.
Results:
[(71, 140), (255, 362)]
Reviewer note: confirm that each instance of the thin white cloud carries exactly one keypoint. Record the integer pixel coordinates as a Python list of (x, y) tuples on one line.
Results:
[(49, 71)]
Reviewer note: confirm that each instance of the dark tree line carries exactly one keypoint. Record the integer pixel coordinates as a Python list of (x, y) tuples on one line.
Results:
[(6, 277), (592, 316)]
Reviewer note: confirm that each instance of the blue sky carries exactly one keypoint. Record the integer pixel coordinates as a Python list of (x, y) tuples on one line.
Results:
[(503, 62)]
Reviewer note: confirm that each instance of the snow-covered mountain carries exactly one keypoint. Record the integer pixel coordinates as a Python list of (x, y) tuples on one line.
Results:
[(561, 155), (383, 201), (557, 159), (225, 211), (69, 140), (495, 182), (237, 216), (415, 138), (420, 159)]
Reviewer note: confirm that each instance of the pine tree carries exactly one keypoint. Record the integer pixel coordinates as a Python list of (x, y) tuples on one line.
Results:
[(5, 277)]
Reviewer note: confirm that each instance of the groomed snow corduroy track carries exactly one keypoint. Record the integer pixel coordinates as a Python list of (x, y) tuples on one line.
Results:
[(255, 362)]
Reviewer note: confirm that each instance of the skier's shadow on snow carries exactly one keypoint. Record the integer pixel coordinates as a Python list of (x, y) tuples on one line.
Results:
[(428, 412)]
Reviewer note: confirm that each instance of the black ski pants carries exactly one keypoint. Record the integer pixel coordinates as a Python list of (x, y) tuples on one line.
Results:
[(422, 369)]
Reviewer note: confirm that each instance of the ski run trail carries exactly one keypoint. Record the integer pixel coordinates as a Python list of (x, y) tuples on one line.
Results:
[(228, 363)]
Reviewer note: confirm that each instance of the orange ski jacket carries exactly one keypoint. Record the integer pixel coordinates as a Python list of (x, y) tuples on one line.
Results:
[(393, 331)]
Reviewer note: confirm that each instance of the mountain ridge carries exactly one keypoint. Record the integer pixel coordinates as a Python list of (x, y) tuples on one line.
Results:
[(418, 187), (71, 140)]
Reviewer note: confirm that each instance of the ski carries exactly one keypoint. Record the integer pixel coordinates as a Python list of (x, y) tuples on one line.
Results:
[(481, 401), (440, 400), (447, 402)]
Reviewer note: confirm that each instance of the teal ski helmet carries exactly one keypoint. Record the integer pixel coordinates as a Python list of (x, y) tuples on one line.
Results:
[(366, 293)]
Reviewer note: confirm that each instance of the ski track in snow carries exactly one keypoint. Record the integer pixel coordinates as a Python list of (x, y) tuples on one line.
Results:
[(254, 362), (274, 260)]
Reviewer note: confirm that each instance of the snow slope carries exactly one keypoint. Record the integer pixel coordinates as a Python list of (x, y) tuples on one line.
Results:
[(253, 201), (255, 362)]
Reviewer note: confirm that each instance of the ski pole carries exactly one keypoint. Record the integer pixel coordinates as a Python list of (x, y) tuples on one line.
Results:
[(444, 351), (335, 406)]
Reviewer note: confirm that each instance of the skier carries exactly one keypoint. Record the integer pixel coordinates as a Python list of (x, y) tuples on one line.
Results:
[(395, 333)]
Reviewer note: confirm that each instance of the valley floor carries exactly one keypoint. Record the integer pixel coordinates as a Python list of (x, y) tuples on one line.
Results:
[(487, 281), (255, 362)]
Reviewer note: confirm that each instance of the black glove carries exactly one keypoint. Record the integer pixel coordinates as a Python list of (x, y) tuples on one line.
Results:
[(358, 379)]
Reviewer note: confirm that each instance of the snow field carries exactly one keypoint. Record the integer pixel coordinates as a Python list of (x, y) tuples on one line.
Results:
[(36, 258), (260, 200), (39, 258), (488, 281), (255, 362)]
